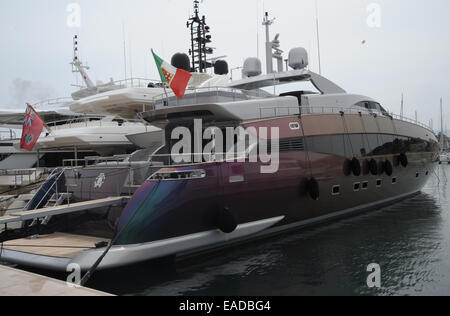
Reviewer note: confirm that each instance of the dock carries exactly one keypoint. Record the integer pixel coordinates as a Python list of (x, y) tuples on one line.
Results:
[(15, 282)]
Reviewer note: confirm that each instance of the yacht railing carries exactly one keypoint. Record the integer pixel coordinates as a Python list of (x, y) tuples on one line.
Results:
[(51, 102), (92, 121), (8, 135), (267, 112), (194, 93), (21, 177), (91, 161), (136, 83)]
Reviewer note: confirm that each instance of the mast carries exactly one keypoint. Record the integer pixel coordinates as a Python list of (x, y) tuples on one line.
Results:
[(318, 37), (200, 39), (77, 65), (442, 127), (124, 50), (402, 106), (273, 50), (267, 23)]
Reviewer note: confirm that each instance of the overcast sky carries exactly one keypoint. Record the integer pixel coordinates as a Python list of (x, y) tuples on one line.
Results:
[(408, 53)]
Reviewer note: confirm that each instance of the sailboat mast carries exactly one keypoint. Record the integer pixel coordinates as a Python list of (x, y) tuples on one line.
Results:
[(318, 37), (442, 127)]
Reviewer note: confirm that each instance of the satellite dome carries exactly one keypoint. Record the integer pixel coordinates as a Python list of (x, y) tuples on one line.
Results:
[(181, 61), (221, 67), (298, 58), (252, 67)]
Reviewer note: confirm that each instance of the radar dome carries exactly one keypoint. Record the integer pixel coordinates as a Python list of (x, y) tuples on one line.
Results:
[(181, 61), (298, 58), (252, 67), (221, 67)]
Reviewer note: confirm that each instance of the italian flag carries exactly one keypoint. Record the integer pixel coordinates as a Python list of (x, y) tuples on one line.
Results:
[(177, 79)]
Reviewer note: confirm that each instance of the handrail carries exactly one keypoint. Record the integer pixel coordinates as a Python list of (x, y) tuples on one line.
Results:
[(337, 110), (20, 172), (128, 82), (96, 160), (48, 191), (139, 80), (51, 175), (11, 133), (54, 101), (99, 120), (195, 91)]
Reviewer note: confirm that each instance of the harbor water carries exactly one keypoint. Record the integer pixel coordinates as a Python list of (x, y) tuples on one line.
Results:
[(410, 241)]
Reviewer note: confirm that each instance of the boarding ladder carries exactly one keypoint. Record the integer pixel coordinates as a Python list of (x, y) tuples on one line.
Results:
[(56, 199)]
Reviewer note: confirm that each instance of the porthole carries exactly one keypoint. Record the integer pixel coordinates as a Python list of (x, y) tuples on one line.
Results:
[(295, 126), (379, 183), (394, 180), (365, 185), (356, 186), (336, 190)]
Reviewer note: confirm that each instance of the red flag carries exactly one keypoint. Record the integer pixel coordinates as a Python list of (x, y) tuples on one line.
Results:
[(32, 129)]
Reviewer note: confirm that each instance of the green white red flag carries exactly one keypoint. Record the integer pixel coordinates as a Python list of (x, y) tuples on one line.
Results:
[(177, 79)]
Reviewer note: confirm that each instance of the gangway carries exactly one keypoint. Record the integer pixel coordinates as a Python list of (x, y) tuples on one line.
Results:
[(63, 209)]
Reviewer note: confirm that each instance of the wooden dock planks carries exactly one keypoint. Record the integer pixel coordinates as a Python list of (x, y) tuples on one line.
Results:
[(59, 245), (20, 283)]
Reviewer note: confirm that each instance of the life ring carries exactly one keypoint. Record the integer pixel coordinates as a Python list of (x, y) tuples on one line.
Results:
[(347, 167), (403, 160), (226, 221), (313, 189), (356, 167), (373, 167), (381, 167), (388, 168), (366, 167)]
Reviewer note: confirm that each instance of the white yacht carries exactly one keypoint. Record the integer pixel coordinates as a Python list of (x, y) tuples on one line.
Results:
[(88, 124)]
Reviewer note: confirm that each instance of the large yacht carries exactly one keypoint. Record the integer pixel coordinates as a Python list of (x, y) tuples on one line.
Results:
[(331, 154)]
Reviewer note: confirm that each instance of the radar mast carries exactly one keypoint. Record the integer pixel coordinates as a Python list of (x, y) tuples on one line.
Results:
[(200, 39), (78, 67)]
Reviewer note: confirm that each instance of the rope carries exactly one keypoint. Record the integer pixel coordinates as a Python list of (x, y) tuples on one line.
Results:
[(365, 132), (379, 130), (346, 132), (92, 270), (308, 159)]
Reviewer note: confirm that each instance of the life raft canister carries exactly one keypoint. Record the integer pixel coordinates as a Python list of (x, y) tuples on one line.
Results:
[(313, 189), (403, 159), (226, 221)]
